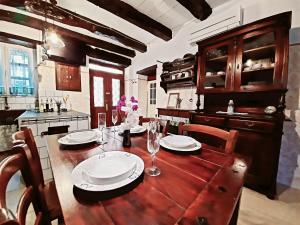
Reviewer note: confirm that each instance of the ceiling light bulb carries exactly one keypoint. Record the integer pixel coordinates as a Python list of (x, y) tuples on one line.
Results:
[(53, 40)]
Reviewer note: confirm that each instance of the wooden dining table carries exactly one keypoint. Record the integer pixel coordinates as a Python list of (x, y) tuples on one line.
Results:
[(203, 185)]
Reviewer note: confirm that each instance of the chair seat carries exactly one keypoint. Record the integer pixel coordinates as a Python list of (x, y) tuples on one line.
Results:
[(52, 200)]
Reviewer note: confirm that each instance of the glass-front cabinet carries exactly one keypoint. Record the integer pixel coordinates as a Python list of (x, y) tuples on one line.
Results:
[(217, 67), (257, 61), (250, 58)]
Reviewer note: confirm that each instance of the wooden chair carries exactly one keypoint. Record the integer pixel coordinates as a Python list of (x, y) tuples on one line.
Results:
[(230, 138), (164, 123), (48, 194), (8, 167)]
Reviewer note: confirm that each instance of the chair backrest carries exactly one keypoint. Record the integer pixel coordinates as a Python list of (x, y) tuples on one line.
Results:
[(27, 137), (230, 138), (8, 167), (164, 123)]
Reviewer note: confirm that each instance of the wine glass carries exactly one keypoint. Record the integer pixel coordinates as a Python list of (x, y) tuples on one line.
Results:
[(114, 119), (102, 125), (153, 147)]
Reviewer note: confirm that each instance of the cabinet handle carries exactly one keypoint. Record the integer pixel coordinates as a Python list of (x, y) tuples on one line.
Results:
[(229, 66), (207, 119), (250, 124)]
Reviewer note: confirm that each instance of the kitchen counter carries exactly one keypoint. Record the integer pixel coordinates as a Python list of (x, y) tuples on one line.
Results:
[(39, 124), (29, 115)]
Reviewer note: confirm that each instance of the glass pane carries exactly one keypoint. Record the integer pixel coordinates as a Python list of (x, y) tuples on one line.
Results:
[(98, 92), (1, 71), (215, 67), (21, 76), (258, 60), (115, 91)]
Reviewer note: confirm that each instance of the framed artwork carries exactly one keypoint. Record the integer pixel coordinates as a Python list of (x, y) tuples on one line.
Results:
[(172, 100)]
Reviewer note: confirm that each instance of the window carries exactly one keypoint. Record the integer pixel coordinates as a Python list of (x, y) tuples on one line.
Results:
[(21, 79), (98, 92), (115, 91), (16, 70), (2, 71), (152, 93)]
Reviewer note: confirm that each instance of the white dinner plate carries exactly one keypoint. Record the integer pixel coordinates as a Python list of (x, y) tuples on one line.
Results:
[(82, 136), (179, 141), (116, 177), (66, 140), (197, 146), (136, 130)]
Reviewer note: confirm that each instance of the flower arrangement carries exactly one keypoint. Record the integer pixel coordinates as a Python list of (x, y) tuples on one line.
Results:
[(126, 107), (128, 110)]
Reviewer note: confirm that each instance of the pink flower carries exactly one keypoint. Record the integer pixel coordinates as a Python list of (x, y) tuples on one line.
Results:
[(135, 107), (123, 98)]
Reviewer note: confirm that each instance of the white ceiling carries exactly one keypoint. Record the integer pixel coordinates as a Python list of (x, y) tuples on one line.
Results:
[(168, 12)]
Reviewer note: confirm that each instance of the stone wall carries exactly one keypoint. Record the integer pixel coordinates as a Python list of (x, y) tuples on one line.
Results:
[(289, 163)]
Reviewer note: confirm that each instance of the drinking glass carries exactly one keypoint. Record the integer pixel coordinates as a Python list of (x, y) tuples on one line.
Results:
[(114, 119), (101, 126), (153, 148)]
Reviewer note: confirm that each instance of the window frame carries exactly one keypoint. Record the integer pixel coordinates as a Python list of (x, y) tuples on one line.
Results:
[(5, 48)]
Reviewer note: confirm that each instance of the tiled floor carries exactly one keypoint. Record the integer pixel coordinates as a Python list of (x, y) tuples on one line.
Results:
[(255, 209)]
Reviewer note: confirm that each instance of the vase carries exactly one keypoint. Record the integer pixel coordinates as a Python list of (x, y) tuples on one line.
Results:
[(132, 118)]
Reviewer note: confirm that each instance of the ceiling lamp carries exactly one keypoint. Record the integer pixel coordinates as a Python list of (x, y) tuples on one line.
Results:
[(53, 40)]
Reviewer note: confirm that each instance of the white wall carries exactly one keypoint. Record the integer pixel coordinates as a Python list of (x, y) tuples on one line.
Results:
[(179, 44), (289, 166), (47, 87)]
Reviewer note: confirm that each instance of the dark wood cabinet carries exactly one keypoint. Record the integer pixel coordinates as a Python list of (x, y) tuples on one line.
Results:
[(253, 57), (248, 65), (68, 77), (184, 113)]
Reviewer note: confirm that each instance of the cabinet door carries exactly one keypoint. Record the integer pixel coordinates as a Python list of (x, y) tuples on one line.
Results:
[(216, 65), (62, 81), (74, 78), (259, 61)]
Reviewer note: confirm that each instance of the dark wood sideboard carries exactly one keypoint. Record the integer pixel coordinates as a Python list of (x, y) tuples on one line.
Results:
[(248, 65)]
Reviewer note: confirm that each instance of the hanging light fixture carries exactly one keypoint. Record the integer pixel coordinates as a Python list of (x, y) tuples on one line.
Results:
[(47, 7)]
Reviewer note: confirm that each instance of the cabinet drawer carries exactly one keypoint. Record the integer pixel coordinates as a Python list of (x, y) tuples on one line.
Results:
[(260, 126), (209, 120)]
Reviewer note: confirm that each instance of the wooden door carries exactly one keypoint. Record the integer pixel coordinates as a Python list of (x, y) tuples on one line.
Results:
[(216, 67), (105, 91)]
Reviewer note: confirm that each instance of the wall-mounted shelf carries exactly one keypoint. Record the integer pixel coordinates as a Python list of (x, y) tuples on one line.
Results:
[(179, 73)]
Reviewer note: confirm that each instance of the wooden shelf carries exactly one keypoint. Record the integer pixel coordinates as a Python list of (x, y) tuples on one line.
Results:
[(258, 70), (215, 76), (264, 51), (219, 59)]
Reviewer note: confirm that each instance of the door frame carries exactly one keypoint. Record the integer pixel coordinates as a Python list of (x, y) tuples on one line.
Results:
[(107, 93)]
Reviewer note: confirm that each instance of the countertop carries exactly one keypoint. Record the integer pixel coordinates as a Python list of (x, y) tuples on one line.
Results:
[(29, 115)]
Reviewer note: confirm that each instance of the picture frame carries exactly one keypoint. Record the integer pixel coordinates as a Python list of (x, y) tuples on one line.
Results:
[(172, 100)]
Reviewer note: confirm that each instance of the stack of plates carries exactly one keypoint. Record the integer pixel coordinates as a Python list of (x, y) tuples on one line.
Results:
[(180, 143), (82, 137), (107, 171)]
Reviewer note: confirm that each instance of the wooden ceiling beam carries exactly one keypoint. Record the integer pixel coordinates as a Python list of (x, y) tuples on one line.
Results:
[(18, 40), (108, 56), (199, 8), (130, 14), (148, 71), (73, 19), (29, 21)]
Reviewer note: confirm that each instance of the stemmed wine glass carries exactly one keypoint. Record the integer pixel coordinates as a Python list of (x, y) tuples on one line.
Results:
[(101, 126), (114, 119), (153, 147)]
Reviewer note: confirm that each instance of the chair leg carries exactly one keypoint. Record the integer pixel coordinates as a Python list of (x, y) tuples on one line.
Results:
[(60, 221)]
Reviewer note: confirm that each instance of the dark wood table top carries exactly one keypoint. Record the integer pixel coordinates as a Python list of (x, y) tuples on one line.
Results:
[(206, 183)]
